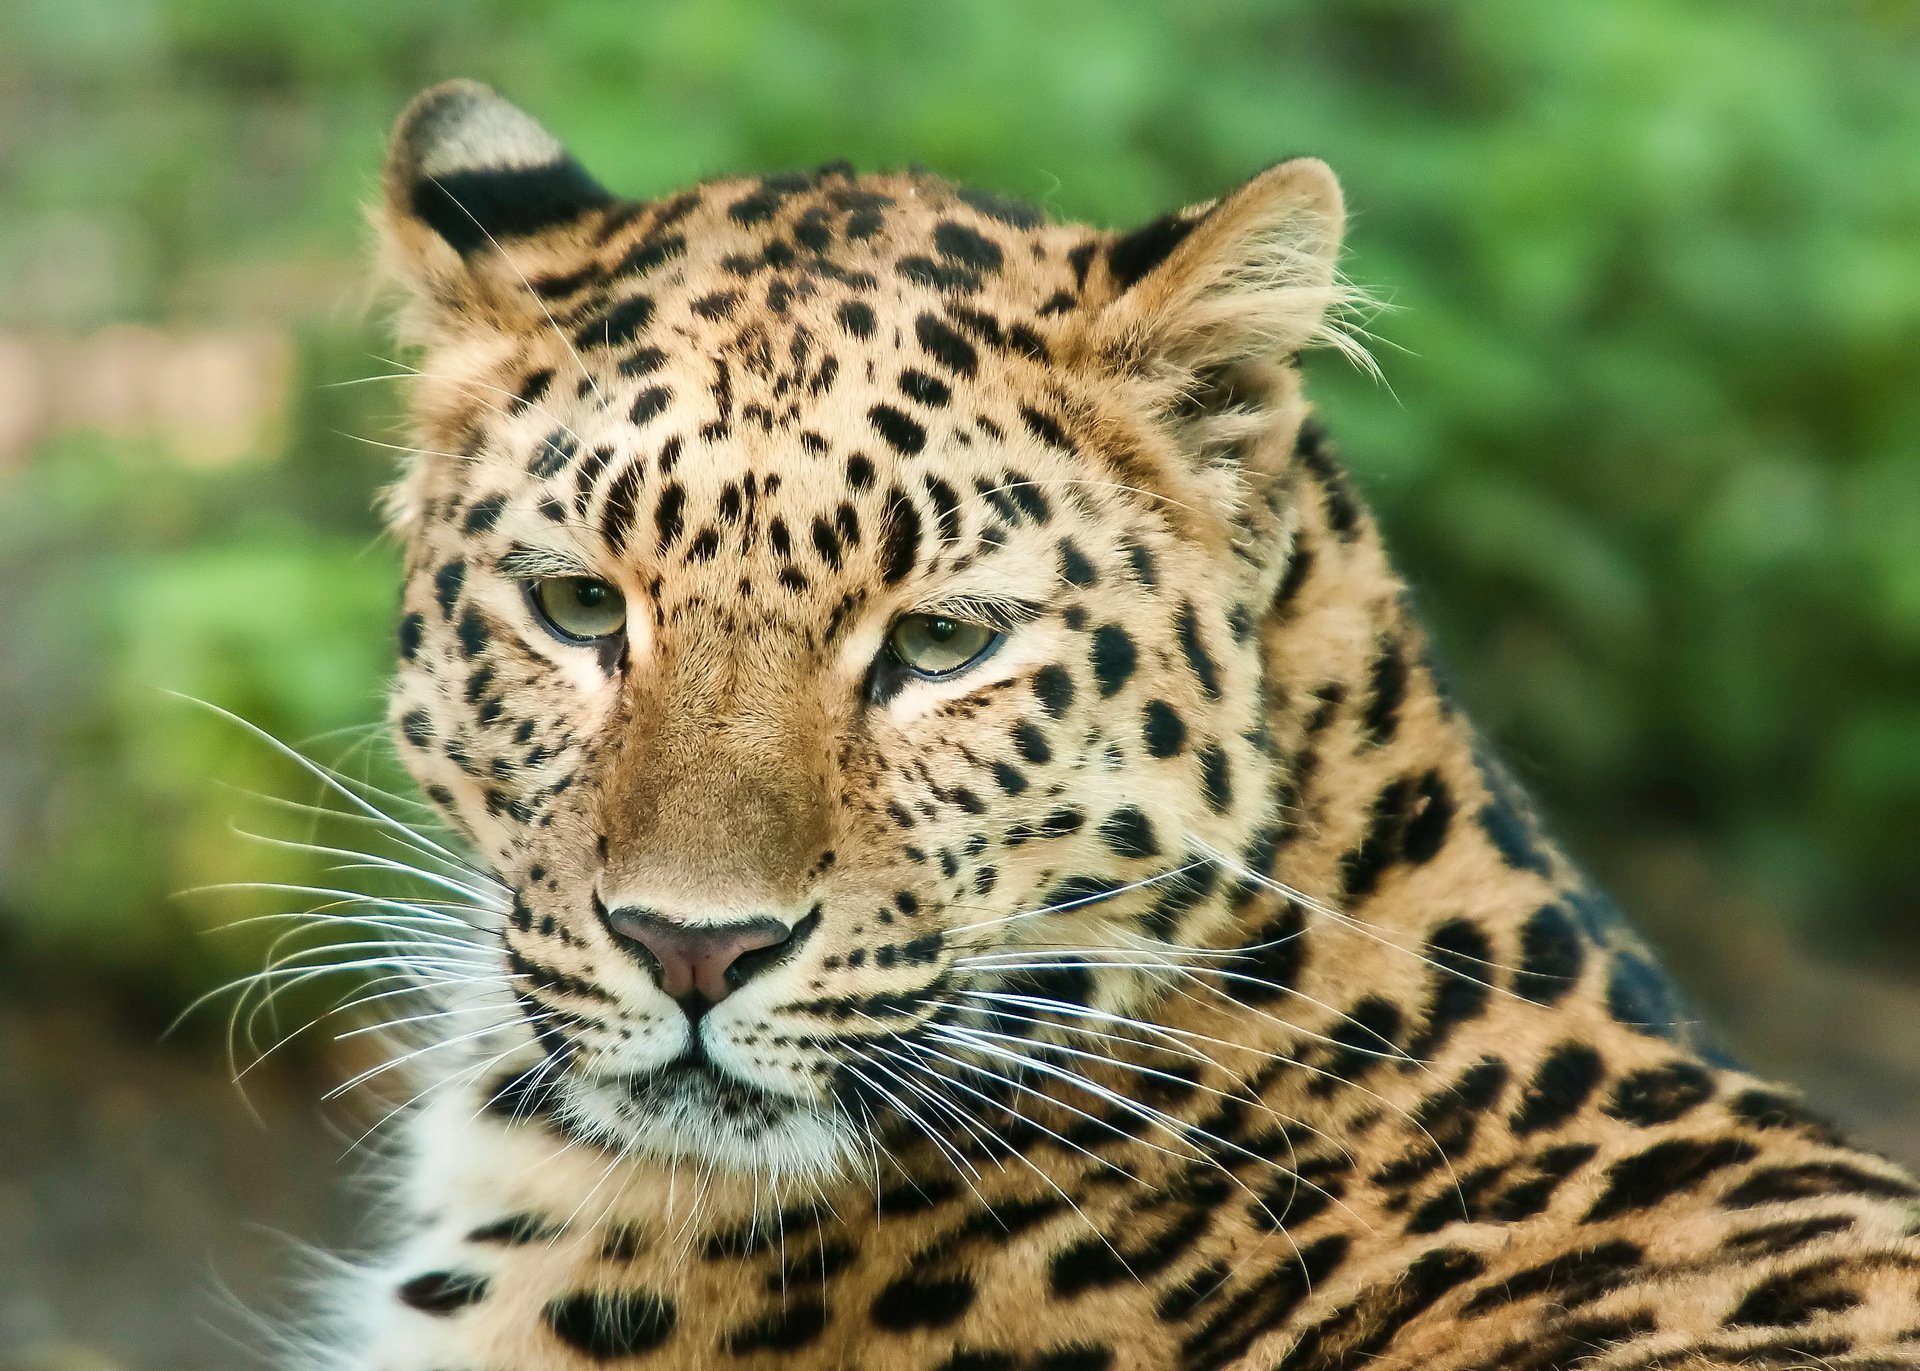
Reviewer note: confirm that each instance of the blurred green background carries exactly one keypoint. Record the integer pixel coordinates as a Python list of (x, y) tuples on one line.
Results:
[(1647, 447)]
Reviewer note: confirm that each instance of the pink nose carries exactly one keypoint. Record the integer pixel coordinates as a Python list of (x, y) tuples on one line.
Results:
[(699, 964)]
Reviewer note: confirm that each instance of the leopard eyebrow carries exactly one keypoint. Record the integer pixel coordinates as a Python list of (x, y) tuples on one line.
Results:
[(997, 612), (525, 563)]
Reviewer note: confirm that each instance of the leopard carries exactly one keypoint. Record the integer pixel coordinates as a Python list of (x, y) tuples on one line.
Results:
[(973, 862)]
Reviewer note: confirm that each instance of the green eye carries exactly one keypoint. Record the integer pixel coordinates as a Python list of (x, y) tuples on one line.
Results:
[(582, 608), (934, 645)]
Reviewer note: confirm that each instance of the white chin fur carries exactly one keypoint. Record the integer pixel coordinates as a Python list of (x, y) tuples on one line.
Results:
[(776, 1137)]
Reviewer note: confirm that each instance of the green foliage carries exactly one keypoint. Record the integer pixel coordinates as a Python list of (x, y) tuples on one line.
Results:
[(1648, 449)]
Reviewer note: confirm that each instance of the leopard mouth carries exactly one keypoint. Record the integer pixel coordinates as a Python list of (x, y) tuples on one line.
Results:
[(694, 1086)]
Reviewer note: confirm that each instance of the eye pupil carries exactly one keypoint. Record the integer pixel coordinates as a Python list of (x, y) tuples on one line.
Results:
[(589, 593), (942, 630)]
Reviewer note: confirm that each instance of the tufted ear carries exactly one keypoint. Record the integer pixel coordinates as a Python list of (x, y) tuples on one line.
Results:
[(466, 174), (1248, 277)]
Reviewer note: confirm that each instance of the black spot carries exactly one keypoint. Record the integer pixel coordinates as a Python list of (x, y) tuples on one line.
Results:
[(908, 1303), (1367, 1034), (1077, 1357), (669, 515), (472, 633), (900, 537), (794, 1325), (898, 431), (1053, 687), (1640, 996), (1552, 953), (1560, 1088), (517, 1230), (1513, 838), (1354, 1335), (1132, 255), (1162, 728), (1794, 1297), (1573, 1278), (1664, 1170), (1074, 566), (1462, 958), (1112, 657), (719, 305), (1198, 660), (946, 346), (1007, 210), (856, 318), (648, 404), (447, 582), (1386, 690), (1046, 428), (1810, 1179), (966, 246), (532, 391), (484, 514), (927, 390), (1031, 743), (1129, 833), (1771, 1238), (1769, 1109), (1270, 964), (649, 254), (412, 628), (470, 209), (1215, 780), (1316, 454), (1660, 1094), (605, 1324), (618, 326), (444, 1293)]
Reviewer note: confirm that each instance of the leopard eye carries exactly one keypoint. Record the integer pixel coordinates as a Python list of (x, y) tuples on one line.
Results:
[(581, 609), (934, 645)]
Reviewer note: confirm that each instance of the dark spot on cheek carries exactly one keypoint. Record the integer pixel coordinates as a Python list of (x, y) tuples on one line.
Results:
[(1113, 658), (1163, 730), (443, 1293), (1053, 687), (1128, 832), (447, 583), (412, 627), (473, 633)]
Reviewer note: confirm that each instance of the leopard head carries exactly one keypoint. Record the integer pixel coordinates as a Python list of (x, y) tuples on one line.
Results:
[(833, 609)]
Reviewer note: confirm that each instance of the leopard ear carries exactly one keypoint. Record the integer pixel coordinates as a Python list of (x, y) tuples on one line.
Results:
[(1247, 277), (466, 174)]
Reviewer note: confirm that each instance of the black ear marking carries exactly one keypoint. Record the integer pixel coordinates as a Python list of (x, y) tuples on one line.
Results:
[(474, 169), (1133, 255)]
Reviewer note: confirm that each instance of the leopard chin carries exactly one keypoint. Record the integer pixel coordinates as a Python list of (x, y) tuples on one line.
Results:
[(693, 1111)]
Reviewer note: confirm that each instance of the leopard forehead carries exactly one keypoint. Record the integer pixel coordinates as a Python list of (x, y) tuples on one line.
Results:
[(780, 411)]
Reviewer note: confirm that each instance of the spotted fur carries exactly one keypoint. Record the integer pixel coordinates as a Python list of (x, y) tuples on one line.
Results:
[(1180, 987)]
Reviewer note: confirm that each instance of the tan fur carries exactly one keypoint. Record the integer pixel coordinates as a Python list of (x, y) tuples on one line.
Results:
[(1393, 1089)]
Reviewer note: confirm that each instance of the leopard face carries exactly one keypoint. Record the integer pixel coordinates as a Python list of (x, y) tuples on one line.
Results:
[(830, 609)]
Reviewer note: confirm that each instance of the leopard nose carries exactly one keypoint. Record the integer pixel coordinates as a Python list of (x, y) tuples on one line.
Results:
[(699, 965)]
